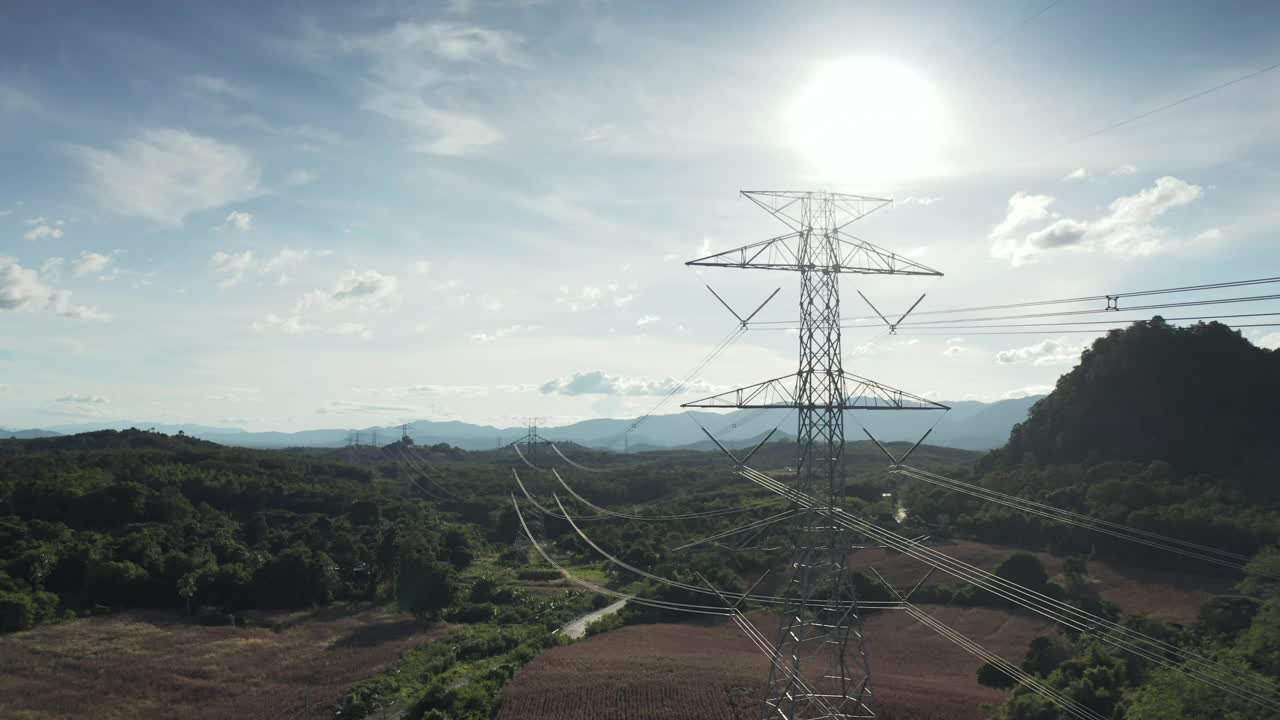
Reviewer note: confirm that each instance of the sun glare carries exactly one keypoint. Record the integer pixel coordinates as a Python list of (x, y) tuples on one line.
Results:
[(867, 120)]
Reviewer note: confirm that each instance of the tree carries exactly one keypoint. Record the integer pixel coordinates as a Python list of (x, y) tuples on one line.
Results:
[(425, 588), (23, 611), (1260, 644), (1170, 695), (1044, 656), (1024, 569), (187, 586), (1262, 575), (457, 547), (296, 577), (994, 677)]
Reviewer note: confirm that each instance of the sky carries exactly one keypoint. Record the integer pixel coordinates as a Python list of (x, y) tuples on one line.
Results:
[(299, 215)]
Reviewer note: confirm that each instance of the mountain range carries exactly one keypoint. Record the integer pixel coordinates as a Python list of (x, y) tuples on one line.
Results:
[(970, 425)]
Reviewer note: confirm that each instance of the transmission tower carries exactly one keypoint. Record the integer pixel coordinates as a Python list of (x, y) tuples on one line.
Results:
[(532, 439), (820, 667)]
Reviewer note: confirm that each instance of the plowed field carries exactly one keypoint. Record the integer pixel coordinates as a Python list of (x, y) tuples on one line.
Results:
[(688, 672)]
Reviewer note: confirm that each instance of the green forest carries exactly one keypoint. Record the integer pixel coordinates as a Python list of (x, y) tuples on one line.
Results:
[(1159, 428)]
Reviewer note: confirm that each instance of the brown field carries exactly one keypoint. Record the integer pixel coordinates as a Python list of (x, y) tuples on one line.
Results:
[(155, 665), (680, 672), (1175, 597)]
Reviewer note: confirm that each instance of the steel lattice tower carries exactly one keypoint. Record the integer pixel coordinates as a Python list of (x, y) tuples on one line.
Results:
[(820, 667)]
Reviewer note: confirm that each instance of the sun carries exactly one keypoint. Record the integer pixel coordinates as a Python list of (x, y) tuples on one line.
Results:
[(867, 120)]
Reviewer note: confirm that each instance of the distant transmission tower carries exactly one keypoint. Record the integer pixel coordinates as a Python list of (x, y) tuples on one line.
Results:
[(820, 667), (532, 439)]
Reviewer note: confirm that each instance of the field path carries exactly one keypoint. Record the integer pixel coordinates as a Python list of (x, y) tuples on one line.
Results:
[(577, 629)]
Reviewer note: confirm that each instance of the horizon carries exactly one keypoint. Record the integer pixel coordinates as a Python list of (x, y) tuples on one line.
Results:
[(354, 217), (133, 423)]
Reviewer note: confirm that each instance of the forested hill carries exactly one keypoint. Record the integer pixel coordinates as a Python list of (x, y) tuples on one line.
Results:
[(1201, 398), (141, 519)]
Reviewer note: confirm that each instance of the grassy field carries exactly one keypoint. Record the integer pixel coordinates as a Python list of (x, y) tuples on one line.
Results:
[(155, 665), (682, 672)]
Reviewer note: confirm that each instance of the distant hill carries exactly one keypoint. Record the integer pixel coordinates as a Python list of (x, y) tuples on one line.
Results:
[(1200, 398), (27, 434), (970, 425)]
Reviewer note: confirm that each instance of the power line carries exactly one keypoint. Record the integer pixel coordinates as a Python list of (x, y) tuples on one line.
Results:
[(1124, 532), (724, 344), (1168, 106), (1172, 657), (1062, 301), (1011, 30), (954, 322), (1116, 322), (1068, 313), (1065, 331)]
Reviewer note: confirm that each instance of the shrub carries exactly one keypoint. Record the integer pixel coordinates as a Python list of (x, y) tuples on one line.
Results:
[(1024, 569), (471, 613), (994, 677), (23, 611)]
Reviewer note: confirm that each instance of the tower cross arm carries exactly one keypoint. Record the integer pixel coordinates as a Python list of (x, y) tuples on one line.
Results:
[(857, 393), (856, 256)]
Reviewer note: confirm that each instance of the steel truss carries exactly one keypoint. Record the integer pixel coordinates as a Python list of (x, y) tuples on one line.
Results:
[(820, 667)]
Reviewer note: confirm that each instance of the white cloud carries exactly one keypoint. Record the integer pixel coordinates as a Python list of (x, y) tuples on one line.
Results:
[(440, 132), (1044, 353), (922, 201), (410, 57), (286, 258), (309, 137), (13, 100), (347, 406), (77, 399), (1270, 341), (22, 289), (213, 85), (359, 291), (1125, 169), (952, 350), (238, 220), (299, 177), (1209, 236), (501, 333), (1128, 228), (598, 382), (52, 268), (1077, 174), (163, 175), (44, 232), (234, 265), (1023, 209), (89, 263), (647, 320), (238, 266), (1027, 392), (590, 297), (422, 267), (409, 54), (295, 325)]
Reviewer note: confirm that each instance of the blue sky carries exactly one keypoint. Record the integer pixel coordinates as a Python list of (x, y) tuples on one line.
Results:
[(340, 215)]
